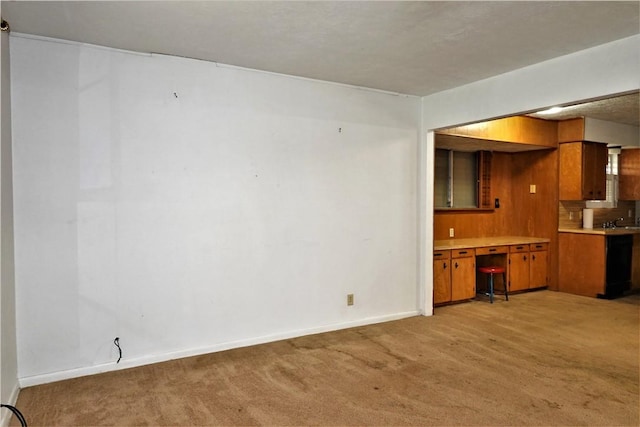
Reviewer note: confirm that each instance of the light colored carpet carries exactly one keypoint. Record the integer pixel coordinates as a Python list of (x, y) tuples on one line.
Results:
[(543, 358)]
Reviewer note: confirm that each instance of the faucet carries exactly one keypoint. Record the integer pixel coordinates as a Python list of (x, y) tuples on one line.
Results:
[(612, 224)]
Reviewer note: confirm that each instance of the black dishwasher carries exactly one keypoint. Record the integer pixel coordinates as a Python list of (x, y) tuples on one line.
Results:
[(619, 252)]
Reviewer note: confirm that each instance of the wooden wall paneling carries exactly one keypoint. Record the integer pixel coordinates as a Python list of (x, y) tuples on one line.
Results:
[(536, 214), (571, 130), (520, 213), (477, 223)]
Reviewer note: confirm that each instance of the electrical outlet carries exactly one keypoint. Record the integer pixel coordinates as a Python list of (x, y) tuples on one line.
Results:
[(532, 189), (451, 232), (349, 299)]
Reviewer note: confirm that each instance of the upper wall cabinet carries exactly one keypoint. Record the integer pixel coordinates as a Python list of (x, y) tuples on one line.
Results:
[(511, 134), (583, 171), (629, 174)]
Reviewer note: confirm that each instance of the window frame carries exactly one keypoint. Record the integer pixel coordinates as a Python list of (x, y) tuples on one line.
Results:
[(483, 193)]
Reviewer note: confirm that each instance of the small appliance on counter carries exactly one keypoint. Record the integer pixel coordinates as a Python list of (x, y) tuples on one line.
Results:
[(587, 218)]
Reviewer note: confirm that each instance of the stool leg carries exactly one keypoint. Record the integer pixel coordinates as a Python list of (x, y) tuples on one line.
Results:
[(491, 288), (506, 290)]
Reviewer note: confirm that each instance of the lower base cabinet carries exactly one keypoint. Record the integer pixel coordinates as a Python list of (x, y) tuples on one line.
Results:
[(463, 274), (454, 270), (518, 268), (528, 266), (441, 277), (538, 265), (454, 275)]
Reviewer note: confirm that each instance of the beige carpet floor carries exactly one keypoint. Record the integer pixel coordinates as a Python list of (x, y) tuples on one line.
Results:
[(543, 358)]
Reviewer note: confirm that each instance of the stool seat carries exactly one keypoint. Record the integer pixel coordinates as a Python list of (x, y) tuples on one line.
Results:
[(491, 270)]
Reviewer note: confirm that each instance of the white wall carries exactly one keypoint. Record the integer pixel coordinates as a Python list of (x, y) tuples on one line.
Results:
[(611, 133), (612, 68), (8, 353), (189, 207)]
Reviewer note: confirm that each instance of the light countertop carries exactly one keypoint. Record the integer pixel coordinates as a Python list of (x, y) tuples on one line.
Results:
[(479, 242), (600, 231)]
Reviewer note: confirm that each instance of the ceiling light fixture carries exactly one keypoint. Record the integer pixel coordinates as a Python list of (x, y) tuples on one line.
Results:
[(552, 110)]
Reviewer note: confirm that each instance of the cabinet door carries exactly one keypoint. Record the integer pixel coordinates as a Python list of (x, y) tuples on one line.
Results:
[(518, 271), (571, 164), (538, 269), (441, 281), (594, 173), (583, 171), (629, 174), (463, 278)]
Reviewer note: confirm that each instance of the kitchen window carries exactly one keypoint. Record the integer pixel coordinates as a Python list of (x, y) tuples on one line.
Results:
[(462, 179)]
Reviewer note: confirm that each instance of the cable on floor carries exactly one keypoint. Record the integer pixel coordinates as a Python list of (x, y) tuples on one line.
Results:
[(17, 413)]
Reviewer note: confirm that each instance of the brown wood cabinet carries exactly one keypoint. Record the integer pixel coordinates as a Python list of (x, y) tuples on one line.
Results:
[(441, 277), (629, 174), (454, 275), (463, 274), (583, 171), (528, 266), (582, 263), (518, 268), (538, 265)]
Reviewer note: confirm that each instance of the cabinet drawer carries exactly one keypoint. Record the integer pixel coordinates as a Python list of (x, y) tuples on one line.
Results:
[(519, 248), (492, 250), (463, 253), (539, 247), (446, 254)]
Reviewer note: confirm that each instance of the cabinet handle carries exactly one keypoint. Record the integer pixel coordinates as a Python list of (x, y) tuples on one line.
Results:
[(456, 265), (533, 257), (444, 266), (519, 247), (462, 252), (524, 257), (492, 250)]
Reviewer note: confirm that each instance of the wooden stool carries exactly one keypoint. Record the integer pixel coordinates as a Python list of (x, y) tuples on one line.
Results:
[(491, 270)]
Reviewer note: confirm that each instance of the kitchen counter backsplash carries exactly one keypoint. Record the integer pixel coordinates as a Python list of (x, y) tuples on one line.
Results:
[(570, 214)]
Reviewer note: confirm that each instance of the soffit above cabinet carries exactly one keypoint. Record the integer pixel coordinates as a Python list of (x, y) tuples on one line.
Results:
[(510, 134), (465, 143)]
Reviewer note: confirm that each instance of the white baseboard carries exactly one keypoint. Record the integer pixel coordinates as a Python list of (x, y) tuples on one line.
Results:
[(6, 413), (156, 358)]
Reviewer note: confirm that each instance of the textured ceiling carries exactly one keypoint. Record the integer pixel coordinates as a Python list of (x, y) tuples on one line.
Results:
[(621, 109), (416, 48)]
